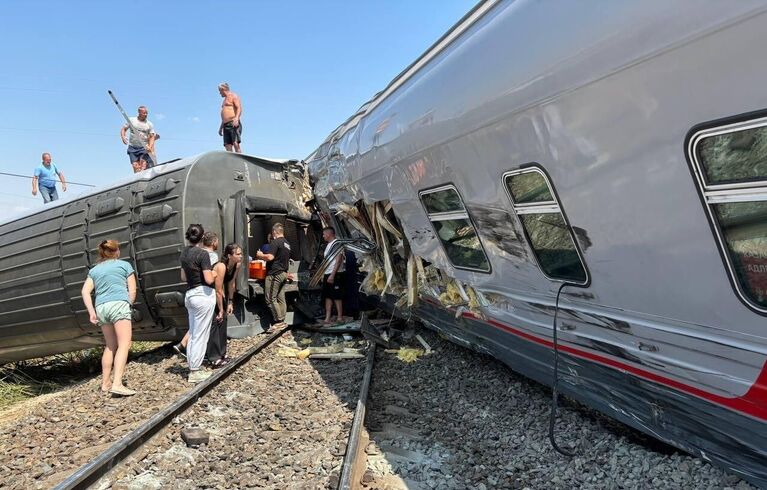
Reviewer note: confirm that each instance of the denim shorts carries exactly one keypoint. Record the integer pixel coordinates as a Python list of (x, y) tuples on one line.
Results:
[(113, 311), (136, 153)]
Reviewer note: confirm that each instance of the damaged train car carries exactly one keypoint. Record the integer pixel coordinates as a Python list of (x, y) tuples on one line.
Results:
[(609, 172), (45, 255)]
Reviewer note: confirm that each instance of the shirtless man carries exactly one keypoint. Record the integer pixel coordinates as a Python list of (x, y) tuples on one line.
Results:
[(231, 110)]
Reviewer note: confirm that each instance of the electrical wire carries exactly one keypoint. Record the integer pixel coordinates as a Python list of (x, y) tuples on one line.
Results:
[(88, 133), (29, 177), (554, 391)]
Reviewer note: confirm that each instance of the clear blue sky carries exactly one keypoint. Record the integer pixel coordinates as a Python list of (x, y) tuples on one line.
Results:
[(300, 67)]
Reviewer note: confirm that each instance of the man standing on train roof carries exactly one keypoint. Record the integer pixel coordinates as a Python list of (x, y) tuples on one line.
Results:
[(277, 261), (45, 180), (231, 111), (141, 141)]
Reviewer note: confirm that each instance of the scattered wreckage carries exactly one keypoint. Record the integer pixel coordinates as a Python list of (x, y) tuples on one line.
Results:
[(573, 208)]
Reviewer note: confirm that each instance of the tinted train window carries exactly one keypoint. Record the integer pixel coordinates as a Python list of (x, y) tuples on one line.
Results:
[(454, 228), (730, 165), (548, 233)]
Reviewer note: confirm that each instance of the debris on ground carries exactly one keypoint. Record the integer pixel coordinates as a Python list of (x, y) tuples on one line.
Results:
[(195, 436), (406, 354), (426, 347)]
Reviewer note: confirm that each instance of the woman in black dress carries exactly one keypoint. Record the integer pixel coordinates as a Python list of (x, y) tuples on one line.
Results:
[(226, 273)]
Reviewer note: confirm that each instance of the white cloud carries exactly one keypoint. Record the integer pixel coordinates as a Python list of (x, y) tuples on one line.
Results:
[(160, 116), (194, 119)]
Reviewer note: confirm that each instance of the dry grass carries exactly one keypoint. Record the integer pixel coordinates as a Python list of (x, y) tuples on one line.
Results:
[(35, 377)]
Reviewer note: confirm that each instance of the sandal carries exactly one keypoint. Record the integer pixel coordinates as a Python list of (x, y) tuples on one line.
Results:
[(220, 362)]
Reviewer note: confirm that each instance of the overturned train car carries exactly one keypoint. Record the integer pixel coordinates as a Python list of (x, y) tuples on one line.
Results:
[(45, 255), (608, 169)]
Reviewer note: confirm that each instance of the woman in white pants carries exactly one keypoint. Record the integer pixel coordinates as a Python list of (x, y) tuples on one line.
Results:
[(200, 300)]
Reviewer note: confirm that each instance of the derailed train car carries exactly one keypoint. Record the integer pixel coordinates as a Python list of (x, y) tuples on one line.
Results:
[(45, 255), (599, 163)]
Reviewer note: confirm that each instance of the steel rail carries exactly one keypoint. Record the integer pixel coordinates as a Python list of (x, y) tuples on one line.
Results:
[(353, 450), (89, 473)]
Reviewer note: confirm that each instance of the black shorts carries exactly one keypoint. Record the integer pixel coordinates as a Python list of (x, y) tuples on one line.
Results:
[(334, 290), (232, 134)]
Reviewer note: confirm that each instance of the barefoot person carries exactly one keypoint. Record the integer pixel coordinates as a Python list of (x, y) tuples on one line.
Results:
[(115, 285), (332, 281), (200, 300), (231, 126), (141, 140), (226, 273)]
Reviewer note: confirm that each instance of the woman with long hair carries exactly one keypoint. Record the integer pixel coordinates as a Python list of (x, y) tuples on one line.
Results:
[(200, 300), (115, 284), (226, 273)]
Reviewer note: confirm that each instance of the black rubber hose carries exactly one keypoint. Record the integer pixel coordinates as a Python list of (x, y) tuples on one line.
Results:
[(554, 392)]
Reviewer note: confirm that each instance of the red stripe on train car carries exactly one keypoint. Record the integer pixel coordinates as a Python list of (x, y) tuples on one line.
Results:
[(753, 403)]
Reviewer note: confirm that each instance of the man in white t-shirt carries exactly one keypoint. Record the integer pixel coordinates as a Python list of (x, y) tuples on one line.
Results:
[(333, 279), (141, 141)]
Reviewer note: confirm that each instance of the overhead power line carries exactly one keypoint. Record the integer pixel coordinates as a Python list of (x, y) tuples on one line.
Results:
[(88, 133), (29, 177)]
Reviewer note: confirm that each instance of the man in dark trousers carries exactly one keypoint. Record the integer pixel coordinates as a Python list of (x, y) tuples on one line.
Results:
[(277, 259)]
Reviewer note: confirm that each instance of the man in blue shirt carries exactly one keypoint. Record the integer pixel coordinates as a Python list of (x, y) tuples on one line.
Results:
[(45, 180)]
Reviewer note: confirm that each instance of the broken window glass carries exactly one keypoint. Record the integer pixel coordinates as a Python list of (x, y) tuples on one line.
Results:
[(736, 156)]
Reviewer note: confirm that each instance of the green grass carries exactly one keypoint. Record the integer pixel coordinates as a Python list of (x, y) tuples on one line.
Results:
[(34, 377)]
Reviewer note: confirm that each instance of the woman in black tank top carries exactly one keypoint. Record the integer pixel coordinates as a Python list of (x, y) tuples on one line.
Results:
[(226, 271)]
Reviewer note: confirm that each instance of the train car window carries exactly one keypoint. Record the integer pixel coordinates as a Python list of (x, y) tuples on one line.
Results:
[(442, 201), (547, 231), (529, 187), (730, 166), (737, 156), (455, 229)]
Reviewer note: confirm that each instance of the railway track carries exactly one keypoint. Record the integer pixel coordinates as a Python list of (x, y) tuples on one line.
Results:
[(108, 467), (452, 419), (103, 463)]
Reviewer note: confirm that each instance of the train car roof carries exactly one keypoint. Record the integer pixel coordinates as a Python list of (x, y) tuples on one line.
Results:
[(147, 174)]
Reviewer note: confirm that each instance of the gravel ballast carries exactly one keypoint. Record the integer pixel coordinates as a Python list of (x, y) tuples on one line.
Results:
[(451, 419)]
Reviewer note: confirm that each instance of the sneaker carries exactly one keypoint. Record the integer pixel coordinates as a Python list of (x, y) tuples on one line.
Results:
[(198, 375), (122, 391), (180, 350)]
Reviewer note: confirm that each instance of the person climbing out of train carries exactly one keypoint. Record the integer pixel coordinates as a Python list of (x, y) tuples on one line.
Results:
[(44, 179), (115, 284), (332, 280), (209, 244), (200, 300), (277, 261), (231, 111), (140, 141), (225, 283)]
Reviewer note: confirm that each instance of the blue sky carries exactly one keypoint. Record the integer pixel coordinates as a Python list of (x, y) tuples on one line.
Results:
[(300, 67)]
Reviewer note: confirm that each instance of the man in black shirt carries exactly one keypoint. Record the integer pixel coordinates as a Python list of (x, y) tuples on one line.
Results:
[(276, 275)]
